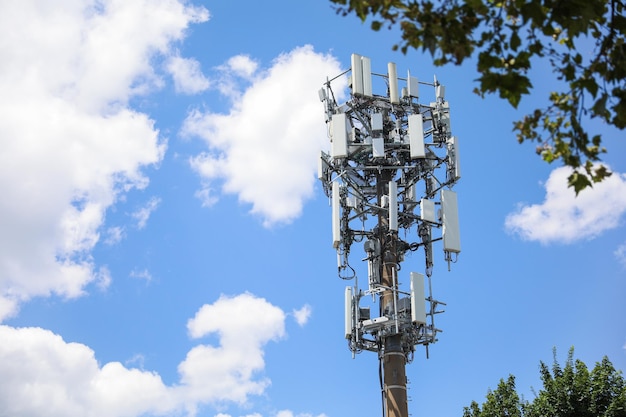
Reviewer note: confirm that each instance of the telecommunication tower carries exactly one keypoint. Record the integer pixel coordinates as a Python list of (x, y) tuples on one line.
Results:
[(389, 175)]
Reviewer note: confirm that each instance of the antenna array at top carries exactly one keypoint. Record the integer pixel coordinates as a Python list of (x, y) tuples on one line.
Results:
[(392, 164)]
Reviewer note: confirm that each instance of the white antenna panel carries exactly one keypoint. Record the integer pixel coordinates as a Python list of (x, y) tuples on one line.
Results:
[(357, 74), (440, 92), (412, 86), (427, 210), (453, 145), (322, 94), (416, 136), (348, 313), (339, 144), (336, 206), (418, 304), (450, 231), (321, 166), (378, 147), (377, 122), (366, 65), (393, 83), (393, 206)]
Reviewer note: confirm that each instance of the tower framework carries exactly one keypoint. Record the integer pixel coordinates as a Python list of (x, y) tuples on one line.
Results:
[(389, 174)]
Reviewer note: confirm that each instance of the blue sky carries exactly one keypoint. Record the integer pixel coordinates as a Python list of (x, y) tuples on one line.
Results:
[(166, 248)]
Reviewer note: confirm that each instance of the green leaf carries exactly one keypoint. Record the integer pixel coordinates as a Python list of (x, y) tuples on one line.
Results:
[(578, 181), (515, 41)]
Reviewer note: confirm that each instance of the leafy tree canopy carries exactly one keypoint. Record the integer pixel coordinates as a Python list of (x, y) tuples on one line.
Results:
[(571, 391), (583, 40)]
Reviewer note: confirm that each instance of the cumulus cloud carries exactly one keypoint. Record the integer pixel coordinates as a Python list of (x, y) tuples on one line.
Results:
[(187, 75), (71, 144), (244, 324), (42, 374), (242, 66), (302, 315), (265, 149), (564, 217)]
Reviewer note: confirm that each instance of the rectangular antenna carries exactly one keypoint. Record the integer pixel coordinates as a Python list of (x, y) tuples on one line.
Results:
[(416, 136), (450, 214), (427, 210), (339, 138), (336, 206), (418, 304), (412, 85), (440, 92), (322, 166), (322, 94), (366, 65), (348, 313), (378, 147), (393, 206), (377, 122), (393, 83), (453, 147), (409, 198), (357, 74)]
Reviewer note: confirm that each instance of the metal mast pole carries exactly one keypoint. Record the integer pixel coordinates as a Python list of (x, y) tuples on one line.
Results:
[(393, 357)]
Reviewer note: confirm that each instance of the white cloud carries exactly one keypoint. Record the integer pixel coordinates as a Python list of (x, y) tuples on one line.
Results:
[(244, 324), (565, 218), (137, 359), (114, 235), (206, 194), (620, 255), (281, 413), (289, 413), (302, 315), (70, 143), (242, 66), (103, 278), (265, 149), (143, 274), (42, 374), (237, 70), (187, 75), (143, 214)]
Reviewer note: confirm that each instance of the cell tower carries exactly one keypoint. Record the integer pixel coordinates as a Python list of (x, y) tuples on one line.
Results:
[(389, 175)]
